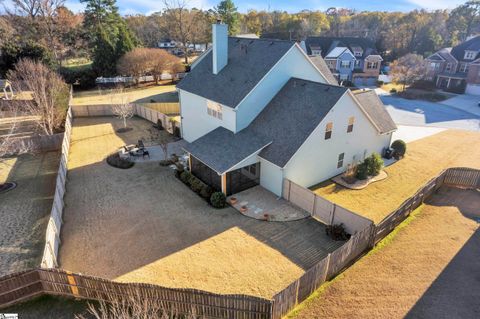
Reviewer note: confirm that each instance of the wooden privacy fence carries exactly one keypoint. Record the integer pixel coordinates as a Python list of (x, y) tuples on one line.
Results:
[(52, 237), (28, 284), (152, 114)]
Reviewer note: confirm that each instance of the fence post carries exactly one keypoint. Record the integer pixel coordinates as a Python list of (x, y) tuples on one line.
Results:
[(333, 214), (314, 204)]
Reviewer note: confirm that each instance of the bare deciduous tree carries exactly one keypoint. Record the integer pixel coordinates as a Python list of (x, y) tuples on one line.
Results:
[(408, 69), (162, 61), (134, 306), (161, 138), (121, 106), (49, 94), (135, 63)]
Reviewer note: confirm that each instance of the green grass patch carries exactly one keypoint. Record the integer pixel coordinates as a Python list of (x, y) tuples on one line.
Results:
[(383, 243)]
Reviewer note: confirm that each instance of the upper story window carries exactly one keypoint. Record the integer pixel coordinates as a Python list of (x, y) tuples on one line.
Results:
[(316, 52), (345, 64), (358, 53), (372, 65), (464, 68), (448, 68), (341, 156), (214, 109), (351, 121), (328, 130), (434, 66), (470, 55)]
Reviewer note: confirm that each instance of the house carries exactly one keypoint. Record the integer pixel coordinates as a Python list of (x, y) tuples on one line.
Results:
[(257, 111), (167, 44), (456, 69), (349, 58)]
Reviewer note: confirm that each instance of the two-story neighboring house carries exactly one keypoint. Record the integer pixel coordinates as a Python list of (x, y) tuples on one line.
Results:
[(257, 111), (456, 68), (349, 58)]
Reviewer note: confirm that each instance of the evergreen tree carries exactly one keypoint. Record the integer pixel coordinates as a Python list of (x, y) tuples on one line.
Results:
[(227, 11), (125, 41), (104, 56)]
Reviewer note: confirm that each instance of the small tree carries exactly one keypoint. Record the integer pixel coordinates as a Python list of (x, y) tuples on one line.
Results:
[(162, 61), (49, 94), (408, 69), (399, 148), (122, 107), (161, 138)]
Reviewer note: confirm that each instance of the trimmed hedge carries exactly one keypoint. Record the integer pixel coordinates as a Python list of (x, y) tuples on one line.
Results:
[(399, 148), (218, 200), (202, 189)]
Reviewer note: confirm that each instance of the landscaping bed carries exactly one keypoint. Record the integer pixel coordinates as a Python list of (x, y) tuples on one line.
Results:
[(425, 159)]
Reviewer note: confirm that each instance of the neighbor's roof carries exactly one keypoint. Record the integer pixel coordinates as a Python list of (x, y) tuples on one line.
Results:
[(470, 45), (280, 129), (323, 67), (336, 52), (329, 43), (249, 60), (375, 109)]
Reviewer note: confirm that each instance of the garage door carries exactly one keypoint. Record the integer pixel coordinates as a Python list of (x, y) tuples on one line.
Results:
[(473, 89)]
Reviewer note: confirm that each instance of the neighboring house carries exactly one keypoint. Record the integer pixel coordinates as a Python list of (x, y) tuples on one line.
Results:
[(349, 58), (458, 68), (167, 44), (258, 111)]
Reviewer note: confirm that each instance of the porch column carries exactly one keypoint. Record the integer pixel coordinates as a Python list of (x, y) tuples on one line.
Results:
[(190, 162), (224, 183), (438, 78), (448, 83)]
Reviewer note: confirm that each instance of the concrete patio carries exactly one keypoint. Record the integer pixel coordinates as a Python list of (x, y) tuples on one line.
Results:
[(259, 203), (157, 154)]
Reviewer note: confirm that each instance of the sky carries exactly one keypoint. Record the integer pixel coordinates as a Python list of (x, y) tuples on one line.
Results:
[(150, 6)]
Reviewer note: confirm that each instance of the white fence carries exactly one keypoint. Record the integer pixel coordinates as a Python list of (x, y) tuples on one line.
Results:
[(52, 240)]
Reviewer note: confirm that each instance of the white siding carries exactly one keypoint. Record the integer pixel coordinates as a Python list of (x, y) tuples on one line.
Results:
[(271, 177), (293, 64), (473, 89), (195, 120), (316, 160)]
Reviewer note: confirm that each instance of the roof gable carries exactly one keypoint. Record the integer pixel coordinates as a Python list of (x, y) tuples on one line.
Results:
[(470, 45), (375, 110), (249, 60), (329, 43)]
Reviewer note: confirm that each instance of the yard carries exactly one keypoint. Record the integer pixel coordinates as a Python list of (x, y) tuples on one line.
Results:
[(24, 211), (429, 269), (425, 159), (144, 225), (157, 93)]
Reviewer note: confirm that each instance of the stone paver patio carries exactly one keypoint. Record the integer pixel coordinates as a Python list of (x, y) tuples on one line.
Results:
[(259, 203)]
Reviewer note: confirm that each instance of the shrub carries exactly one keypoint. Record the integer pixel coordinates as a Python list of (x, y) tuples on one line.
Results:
[(423, 85), (160, 125), (82, 78), (337, 232), (362, 171), (185, 177), (399, 148), (218, 200), (195, 184), (374, 164), (179, 169), (380, 83), (206, 192), (393, 90), (116, 161)]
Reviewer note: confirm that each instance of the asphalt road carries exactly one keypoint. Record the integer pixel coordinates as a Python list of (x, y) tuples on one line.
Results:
[(422, 113)]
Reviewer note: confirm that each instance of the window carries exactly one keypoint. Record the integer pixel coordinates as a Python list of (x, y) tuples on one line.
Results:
[(357, 62), (470, 55), (372, 65), (316, 52), (340, 160), (251, 169), (448, 68), (328, 130), (343, 77), (345, 64), (434, 66), (464, 68), (351, 121), (214, 109), (358, 53)]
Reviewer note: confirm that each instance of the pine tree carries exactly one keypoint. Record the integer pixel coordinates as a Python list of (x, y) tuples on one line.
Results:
[(104, 56), (125, 41), (227, 11)]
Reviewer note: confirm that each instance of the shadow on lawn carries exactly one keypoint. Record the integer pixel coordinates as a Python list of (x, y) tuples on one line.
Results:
[(117, 222), (456, 291)]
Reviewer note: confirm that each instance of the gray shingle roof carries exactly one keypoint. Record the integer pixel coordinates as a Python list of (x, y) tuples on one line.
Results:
[(329, 43), (471, 45), (323, 67), (376, 110), (285, 122), (249, 60)]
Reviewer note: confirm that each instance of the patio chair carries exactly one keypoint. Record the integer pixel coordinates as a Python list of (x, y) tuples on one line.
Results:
[(145, 153), (141, 145)]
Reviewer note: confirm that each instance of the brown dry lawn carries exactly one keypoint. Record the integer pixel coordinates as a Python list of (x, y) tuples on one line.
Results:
[(25, 210), (430, 269), (425, 159), (161, 93), (144, 225)]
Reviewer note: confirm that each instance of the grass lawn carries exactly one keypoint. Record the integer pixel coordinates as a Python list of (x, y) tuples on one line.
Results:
[(425, 159), (24, 211), (160, 93), (144, 225), (428, 269), (397, 86)]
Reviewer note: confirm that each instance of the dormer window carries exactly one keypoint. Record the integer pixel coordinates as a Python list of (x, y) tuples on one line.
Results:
[(464, 68), (470, 55), (214, 109)]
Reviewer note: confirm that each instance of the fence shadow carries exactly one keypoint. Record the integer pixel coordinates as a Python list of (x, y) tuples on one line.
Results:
[(455, 293)]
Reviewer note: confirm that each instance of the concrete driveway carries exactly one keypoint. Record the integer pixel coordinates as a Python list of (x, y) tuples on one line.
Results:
[(465, 102), (422, 113)]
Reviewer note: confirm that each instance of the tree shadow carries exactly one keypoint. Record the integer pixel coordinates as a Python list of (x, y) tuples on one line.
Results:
[(455, 293)]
